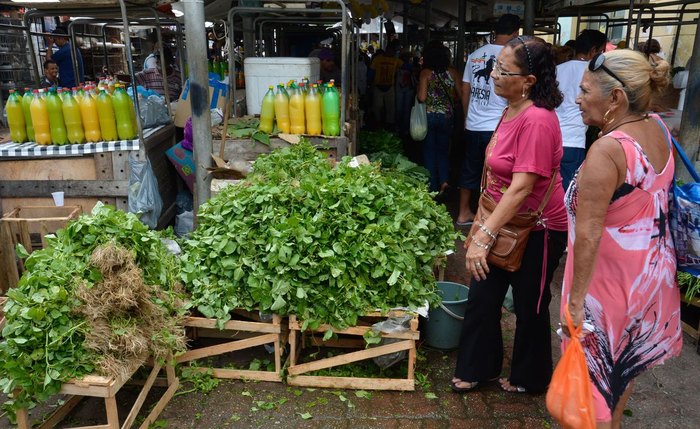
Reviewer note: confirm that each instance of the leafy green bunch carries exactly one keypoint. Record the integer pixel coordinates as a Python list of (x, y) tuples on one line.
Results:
[(379, 141), (327, 244), (43, 336), (396, 163)]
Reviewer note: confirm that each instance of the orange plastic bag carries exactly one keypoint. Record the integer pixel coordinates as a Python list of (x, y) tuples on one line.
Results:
[(569, 397)]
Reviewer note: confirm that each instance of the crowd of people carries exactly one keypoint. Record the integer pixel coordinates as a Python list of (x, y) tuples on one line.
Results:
[(527, 109)]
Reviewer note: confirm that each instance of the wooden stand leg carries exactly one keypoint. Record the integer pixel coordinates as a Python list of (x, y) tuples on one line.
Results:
[(112, 412)]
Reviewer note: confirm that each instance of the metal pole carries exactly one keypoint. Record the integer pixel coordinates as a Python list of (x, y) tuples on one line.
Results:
[(426, 30), (629, 24), (199, 93), (130, 68), (529, 24), (459, 52), (689, 136)]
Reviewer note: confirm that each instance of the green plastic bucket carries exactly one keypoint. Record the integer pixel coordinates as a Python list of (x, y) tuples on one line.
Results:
[(445, 322)]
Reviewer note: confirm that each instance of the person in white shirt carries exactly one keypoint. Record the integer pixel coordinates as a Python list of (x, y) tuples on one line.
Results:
[(569, 75), (483, 109)]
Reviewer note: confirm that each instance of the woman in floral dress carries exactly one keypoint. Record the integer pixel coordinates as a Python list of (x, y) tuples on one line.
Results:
[(621, 268)]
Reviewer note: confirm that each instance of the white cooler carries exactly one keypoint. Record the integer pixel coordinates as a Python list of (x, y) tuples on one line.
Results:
[(261, 72)]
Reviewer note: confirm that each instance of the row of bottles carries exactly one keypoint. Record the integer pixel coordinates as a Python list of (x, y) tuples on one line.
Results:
[(304, 109), (63, 117)]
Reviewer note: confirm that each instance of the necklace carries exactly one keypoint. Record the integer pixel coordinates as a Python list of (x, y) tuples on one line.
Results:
[(643, 118)]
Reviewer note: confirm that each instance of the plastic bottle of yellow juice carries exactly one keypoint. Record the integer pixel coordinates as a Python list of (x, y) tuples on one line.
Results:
[(267, 111), (282, 109), (89, 116), (296, 111), (74, 123), (122, 112), (26, 108), (40, 118), (312, 104), (105, 112), (15, 118)]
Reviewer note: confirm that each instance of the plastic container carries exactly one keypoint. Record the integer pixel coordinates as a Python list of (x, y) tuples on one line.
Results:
[(261, 72), (445, 322), (89, 116), (267, 112), (59, 134), (330, 111), (125, 121), (74, 123), (15, 118), (296, 112), (105, 112), (40, 118), (282, 109), (312, 105), (26, 108)]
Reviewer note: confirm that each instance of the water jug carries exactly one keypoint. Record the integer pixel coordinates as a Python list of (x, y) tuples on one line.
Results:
[(122, 112), (74, 123), (26, 107), (89, 116), (54, 105), (312, 103), (296, 112), (267, 111), (282, 109), (15, 118), (330, 105), (40, 118), (105, 112)]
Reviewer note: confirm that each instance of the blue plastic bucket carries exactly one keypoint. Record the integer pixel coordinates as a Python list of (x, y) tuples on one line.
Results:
[(445, 321)]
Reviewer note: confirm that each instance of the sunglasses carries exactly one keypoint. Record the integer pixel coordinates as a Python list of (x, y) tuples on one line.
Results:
[(597, 64)]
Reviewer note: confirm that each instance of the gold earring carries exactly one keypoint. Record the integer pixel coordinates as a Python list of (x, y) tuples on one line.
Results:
[(605, 118)]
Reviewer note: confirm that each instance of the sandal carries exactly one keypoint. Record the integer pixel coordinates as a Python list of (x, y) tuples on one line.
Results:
[(511, 388), (471, 386), (465, 223)]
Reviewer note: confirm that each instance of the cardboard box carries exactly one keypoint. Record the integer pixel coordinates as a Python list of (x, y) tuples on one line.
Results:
[(218, 95)]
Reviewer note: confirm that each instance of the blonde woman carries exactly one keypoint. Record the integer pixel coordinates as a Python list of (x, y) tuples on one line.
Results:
[(621, 266)]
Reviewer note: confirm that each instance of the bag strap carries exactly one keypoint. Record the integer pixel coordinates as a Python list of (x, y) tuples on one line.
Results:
[(552, 180), (686, 161), (447, 91)]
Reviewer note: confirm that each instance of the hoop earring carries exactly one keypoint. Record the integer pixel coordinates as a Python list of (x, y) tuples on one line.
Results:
[(605, 118)]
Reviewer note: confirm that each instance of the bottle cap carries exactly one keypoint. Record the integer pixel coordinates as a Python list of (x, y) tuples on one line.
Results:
[(12, 91)]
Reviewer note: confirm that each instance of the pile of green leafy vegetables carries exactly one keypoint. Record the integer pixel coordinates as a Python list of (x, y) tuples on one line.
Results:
[(396, 163), (43, 339), (379, 141), (325, 243)]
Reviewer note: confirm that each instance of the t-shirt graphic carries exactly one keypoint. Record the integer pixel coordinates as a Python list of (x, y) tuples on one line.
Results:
[(485, 107)]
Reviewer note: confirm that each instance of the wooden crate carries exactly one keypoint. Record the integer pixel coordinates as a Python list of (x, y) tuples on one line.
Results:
[(296, 370), (87, 179), (690, 317), (28, 226), (107, 388), (238, 335), (2, 313)]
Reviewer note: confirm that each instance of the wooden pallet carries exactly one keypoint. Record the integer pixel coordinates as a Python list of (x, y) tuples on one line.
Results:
[(296, 370), (28, 226), (107, 388), (258, 333)]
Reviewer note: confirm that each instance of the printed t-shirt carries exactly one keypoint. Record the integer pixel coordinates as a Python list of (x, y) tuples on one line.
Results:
[(529, 143), (385, 71), (573, 130), (485, 107)]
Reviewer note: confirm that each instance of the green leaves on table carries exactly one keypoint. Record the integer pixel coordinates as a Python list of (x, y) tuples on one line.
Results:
[(327, 244)]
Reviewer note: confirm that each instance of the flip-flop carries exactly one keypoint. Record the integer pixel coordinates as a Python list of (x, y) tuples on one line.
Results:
[(465, 223), (511, 388), (457, 389)]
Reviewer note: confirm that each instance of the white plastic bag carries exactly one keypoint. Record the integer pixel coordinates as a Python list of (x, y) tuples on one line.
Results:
[(144, 195), (419, 121)]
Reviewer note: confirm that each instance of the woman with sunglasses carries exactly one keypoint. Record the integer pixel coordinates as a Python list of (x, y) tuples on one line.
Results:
[(522, 161), (621, 269)]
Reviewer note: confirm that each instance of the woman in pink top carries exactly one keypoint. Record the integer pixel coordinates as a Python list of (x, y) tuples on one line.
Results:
[(521, 161), (621, 267)]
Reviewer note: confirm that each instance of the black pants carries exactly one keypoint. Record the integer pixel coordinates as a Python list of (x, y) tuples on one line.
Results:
[(480, 356)]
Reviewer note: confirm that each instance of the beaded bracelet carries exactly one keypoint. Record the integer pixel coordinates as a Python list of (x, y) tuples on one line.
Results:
[(487, 231)]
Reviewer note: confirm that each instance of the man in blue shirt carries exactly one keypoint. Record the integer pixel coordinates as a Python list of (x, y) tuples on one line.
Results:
[(63, 58)]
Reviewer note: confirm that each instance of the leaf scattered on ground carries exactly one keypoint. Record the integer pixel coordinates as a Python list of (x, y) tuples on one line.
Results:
[(305, 416)]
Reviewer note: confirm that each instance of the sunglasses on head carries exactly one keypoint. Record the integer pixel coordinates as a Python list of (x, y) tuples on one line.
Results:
[(597, 64)]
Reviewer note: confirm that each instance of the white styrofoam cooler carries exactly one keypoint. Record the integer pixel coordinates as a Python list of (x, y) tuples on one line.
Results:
[(261, 72)]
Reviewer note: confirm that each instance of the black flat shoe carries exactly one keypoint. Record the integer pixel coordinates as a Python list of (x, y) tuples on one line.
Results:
[(457, 389)]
